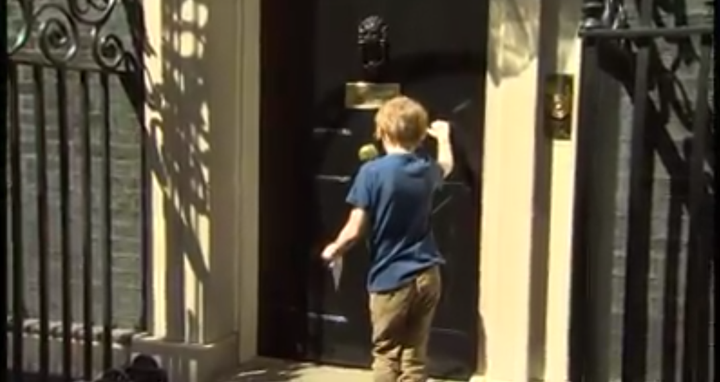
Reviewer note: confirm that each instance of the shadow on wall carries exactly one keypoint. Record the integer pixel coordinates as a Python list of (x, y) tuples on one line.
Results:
[(514, 36), (188, 100), (177, 152), (513, 32), (656, 223), (665, 230)]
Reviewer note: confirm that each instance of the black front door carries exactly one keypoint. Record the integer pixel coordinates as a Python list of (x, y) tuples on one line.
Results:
[(311, 139)]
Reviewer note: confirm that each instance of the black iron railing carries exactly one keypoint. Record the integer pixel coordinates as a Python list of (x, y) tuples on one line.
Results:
[(76, 194), (659, 316)]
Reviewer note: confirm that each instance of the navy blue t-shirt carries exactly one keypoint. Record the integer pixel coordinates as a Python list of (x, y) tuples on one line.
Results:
[(396, 191)]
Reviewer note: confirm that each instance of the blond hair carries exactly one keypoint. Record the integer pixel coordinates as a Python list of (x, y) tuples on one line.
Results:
[(402, 121)]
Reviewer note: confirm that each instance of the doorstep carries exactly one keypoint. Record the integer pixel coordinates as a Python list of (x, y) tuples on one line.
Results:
[(274, 370)]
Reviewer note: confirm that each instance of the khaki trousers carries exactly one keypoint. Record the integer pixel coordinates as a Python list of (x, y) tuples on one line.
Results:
[(401, 322)]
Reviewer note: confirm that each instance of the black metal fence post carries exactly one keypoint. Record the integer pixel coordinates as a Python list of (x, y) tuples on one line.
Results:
[(68, 63), (634, 52)]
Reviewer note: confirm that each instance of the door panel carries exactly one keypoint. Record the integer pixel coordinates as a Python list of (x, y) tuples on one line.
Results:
[(309, 156)]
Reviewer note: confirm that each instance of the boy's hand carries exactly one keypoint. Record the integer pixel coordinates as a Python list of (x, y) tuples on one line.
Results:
[(331, 252), (439, 130)]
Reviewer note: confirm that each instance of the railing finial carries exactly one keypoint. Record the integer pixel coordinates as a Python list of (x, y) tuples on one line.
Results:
[(592, 14)]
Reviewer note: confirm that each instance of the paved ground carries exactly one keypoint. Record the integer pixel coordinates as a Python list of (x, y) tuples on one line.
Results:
[(266, 370)]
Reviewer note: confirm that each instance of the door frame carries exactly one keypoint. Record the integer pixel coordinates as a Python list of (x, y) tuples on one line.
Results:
[(281, 162)]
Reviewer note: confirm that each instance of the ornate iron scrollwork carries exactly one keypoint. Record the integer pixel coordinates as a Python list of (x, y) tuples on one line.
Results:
[(603, 14), (710, 7), (592, 11), (373, 43), (60, 30)]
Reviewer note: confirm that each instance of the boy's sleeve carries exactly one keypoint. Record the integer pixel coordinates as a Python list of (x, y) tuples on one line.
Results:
[(360, 194)]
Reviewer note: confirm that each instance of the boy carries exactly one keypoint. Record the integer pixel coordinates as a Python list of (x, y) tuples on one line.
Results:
[(392, 196)]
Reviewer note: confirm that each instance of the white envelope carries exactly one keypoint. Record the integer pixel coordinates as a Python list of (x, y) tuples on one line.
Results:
[(336, 268)]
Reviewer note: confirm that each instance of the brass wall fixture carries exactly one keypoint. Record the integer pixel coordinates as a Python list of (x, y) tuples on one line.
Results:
[(374, 49), (368, 95), (558, 108)]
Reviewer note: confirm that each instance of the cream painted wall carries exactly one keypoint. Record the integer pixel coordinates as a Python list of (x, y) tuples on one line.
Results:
[(527, 196), (202, 79), (567, 56), (509, 157)]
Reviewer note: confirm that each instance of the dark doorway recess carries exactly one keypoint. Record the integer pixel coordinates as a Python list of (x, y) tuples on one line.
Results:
[(309, 154)]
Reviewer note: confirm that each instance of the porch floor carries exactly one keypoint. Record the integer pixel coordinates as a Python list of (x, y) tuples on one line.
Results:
[(274, 370)]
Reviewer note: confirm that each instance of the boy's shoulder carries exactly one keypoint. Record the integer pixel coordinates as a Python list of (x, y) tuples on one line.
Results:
[(388, 165), (373, 166), (396, 160)]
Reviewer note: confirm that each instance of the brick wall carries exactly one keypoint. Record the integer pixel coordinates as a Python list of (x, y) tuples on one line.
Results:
[(126, 171), (669, 216)]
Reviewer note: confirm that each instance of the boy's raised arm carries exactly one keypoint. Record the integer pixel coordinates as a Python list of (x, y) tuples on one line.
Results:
[(440, 130)]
